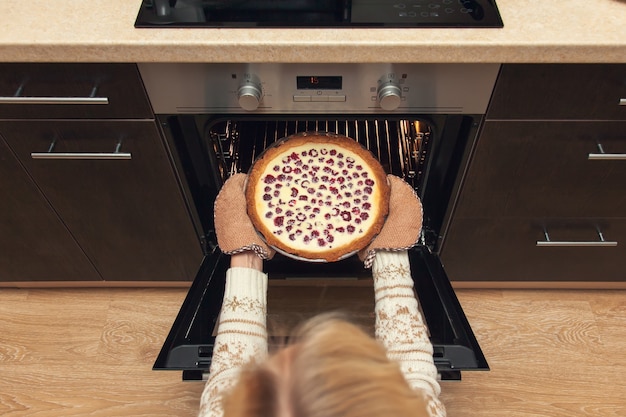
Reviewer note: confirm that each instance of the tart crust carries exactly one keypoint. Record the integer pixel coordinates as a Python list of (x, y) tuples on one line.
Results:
[(317, 196)]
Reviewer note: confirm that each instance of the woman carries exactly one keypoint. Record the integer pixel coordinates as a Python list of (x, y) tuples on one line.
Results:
[(332, 368)]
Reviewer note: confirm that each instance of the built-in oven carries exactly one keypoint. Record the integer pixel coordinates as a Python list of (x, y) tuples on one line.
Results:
[(419, 120)]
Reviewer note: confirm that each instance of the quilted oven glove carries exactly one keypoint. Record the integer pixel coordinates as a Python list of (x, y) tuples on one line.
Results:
[(403, 225), (234, 230)]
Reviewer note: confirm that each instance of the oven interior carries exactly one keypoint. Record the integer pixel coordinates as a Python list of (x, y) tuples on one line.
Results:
[(426, 151)]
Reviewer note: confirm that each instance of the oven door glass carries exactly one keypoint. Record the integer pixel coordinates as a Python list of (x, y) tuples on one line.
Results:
[(343, 286)]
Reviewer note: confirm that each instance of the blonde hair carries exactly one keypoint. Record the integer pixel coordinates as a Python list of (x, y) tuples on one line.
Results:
[(332, 369)]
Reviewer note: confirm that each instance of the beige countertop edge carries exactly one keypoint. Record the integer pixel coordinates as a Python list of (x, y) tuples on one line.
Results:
[(323, 53), (576, 31)]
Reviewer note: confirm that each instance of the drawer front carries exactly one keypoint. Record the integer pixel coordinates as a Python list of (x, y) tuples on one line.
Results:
[(72, 91), (512, 249), (34, 243), (547, 169), (560, 91), (112, 184)]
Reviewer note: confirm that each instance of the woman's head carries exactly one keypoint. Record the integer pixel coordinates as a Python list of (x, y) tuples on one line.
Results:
[(331, 369)]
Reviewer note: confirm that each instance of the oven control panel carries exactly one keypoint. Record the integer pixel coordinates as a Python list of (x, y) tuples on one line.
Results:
[(319, 88)]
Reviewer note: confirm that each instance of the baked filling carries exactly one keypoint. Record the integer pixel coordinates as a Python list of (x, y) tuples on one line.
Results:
[(317, 196)]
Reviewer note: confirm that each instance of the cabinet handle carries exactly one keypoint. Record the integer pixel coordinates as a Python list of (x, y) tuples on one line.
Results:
[(557, 244), (603, 156), (622, 101), (19, 99), (116, 154)]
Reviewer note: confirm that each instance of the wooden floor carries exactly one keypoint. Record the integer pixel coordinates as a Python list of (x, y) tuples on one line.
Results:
[(89, 352)]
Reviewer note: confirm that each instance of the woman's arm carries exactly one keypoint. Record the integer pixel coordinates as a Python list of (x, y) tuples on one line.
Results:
[(400, 325), (242, 333)]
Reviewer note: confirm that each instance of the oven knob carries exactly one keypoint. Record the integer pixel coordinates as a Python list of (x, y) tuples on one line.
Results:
[(389, 96), (249, 96)]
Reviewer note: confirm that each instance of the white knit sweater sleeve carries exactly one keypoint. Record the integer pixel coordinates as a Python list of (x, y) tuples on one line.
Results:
[(401, 328), (241, 335)]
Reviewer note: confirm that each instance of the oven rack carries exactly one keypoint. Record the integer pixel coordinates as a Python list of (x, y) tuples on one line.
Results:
[(401, 145)]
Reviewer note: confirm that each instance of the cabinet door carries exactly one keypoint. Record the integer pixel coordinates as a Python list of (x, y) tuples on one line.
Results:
[(543, 169), (112, 184), (560, 91), (506, 249), (72, 91), (34, 243)]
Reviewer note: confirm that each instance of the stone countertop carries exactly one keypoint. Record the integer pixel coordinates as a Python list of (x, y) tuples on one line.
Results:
[(574, 31)]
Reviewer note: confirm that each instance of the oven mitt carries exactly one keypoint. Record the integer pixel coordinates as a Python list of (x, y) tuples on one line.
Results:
[(403, 225), (234, 230)]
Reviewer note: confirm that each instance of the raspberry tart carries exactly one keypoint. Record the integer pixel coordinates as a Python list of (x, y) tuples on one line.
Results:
[(317, 196)]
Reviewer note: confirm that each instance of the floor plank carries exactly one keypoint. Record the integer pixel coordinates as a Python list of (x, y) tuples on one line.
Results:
[(89, 352)]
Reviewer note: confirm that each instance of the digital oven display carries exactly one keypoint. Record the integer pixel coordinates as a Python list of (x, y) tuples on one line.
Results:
[(314, 82)]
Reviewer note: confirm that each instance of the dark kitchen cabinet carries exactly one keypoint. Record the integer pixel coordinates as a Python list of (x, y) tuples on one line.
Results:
[(549, 165), (125, 211), (543, 169), (103, 172), (559, 91), (510, 249), (35, 244), (72, 91)]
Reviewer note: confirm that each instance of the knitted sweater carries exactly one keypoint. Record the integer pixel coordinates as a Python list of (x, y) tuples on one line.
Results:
[(242, 333)]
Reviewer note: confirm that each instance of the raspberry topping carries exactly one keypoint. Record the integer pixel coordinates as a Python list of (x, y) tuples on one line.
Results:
[(317, 197)]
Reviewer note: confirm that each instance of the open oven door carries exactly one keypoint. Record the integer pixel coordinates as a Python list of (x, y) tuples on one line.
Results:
[(438, 148), (294, 296)]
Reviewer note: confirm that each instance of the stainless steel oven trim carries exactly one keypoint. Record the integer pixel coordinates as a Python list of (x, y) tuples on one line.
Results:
[(214, 88)]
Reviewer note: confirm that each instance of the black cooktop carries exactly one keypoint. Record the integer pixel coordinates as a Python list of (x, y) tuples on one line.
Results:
[(318, 13)]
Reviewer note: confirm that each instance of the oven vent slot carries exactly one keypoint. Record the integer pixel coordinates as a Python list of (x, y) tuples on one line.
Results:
[(401, 145)]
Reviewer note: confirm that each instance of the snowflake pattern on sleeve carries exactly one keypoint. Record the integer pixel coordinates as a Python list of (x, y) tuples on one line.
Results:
[(241, 335), (400, 326)]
